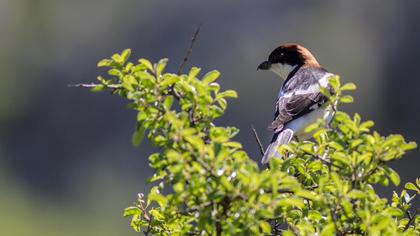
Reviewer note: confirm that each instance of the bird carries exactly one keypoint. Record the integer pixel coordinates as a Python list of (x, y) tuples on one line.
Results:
[(300, 101)]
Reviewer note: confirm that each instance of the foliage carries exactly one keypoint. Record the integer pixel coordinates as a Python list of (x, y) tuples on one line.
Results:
[(206, 184)]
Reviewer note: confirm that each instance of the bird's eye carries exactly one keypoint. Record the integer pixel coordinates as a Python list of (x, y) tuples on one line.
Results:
[(280, 57)]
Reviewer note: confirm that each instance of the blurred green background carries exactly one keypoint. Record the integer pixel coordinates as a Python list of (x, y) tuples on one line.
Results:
[(67, 166)]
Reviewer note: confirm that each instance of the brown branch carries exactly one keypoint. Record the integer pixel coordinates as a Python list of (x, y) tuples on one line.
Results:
[(187, 55), (258, 140)]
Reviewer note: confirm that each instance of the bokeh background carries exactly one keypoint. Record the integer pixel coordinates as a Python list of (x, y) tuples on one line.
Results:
[(67, 166)]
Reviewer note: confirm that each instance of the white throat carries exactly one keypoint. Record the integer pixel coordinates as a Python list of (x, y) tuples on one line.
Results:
[(282, 70)]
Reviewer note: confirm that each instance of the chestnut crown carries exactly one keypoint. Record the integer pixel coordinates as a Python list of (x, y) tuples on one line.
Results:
[(289, 54)]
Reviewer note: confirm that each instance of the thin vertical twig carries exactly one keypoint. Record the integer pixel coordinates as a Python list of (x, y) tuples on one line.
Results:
[(258, 140), (189, 51)]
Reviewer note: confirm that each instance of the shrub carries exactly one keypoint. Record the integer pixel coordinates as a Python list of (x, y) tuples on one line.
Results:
[(204, 183)]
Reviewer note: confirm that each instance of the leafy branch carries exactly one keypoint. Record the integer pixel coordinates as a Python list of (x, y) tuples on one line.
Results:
[(204, 183)]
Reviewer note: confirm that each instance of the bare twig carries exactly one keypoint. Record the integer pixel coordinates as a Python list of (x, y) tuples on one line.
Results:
[(258, 140), (187, 55), (92, 85)]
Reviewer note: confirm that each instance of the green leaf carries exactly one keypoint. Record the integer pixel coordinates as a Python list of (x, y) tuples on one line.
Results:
[(155, 196), (168, 80), (340, 158), (115, 72), (346, 99), (138, 135), (288, 233), (355, 143), (341, 116), (161, 66), (325, 91), (393, 139), (394, 212), (306, 194), (214, 87), (222, 103), (167, 103), (147, 63), (348, 86), (226, 183), (125, 55), (393, 175), (228, 94), (195, 141), (291, 202), (334, 82), (117, 59), (336, 146), (328, 230), (365, 126), (105, 63), (130, 211), (128, 82), (357, 194), (156, 215), (233, 144), (211, 77), (365, 158), (193, 73), (409, 146), (411, 186), (312, 127), (265, 227), (307, 148)]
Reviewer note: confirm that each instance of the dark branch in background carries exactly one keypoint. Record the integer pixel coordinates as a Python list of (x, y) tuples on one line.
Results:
[(187, 55), (258, 140), (115, 87)]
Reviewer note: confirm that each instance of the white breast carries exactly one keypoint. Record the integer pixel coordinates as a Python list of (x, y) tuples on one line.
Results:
[(298, 125)]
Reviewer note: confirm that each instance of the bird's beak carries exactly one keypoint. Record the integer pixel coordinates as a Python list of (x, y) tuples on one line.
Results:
[(264, 66)]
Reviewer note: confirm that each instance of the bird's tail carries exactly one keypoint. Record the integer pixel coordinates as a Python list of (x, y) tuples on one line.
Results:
[(279, 138)]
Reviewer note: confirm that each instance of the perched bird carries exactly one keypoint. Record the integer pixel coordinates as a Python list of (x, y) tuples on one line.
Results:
[(300, 101)]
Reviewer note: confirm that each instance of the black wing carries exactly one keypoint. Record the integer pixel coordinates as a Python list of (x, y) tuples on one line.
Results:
[(300, 95)]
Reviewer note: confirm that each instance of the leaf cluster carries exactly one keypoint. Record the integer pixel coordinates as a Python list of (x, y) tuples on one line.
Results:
[(204, 183)]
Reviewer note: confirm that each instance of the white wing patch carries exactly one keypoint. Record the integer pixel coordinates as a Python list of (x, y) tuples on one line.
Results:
[(324, 80), (314, 88)]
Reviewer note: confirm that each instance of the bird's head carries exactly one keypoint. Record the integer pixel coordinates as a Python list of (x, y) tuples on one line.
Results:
[(285, 58)]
